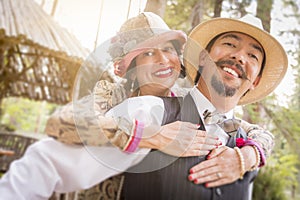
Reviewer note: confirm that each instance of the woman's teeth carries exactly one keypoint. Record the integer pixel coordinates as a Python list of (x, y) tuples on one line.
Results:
[(163, 72)]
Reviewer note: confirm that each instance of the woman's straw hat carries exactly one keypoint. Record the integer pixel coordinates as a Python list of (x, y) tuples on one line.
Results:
[(137, 34), (276, 61)]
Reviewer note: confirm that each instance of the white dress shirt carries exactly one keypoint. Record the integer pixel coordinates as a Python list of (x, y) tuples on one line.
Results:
[(203, 105)]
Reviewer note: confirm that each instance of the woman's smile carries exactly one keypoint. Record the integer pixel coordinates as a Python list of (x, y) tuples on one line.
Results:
[(164, 72)]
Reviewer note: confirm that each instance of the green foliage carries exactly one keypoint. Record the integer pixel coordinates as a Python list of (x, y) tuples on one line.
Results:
[(278, 179), (251, 109), (287, 125), (178, 13), (268, 187), (25, 115), (278, 176)]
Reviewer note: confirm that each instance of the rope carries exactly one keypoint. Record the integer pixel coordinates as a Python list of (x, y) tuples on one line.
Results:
[(99, 23), (128, 11)]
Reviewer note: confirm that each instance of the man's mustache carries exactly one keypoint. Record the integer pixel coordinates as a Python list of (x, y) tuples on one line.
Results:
[(237, 65)]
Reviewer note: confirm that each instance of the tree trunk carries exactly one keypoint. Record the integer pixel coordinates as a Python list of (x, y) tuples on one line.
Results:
[(246, 115), (218, 8), (197, 14), (1, 111), (156, 6), (263, 11)]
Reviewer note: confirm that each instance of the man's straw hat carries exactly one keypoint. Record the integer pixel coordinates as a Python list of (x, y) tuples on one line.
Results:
[(276, 61), (137, 34)]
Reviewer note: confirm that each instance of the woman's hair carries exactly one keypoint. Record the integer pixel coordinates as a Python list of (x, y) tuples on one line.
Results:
[(176, 45), (131, 84)]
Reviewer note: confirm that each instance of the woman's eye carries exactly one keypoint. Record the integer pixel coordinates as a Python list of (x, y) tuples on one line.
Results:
[(149, 53)]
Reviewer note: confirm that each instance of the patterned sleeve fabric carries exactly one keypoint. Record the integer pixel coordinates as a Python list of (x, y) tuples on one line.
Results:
[(260, 136), (82, 122)]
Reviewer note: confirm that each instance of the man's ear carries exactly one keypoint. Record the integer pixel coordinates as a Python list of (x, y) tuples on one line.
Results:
[(255, 83)]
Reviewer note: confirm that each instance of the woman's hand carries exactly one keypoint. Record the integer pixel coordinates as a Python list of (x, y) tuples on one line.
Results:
[(181, 139), (221, 167)]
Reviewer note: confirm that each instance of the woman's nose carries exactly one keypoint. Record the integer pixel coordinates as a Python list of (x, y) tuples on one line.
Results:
[(162, 57)]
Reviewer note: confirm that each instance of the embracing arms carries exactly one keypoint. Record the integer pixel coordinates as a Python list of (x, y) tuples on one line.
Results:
[(83, 122)]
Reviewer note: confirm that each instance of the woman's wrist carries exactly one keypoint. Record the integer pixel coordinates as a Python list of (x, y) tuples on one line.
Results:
[(148, 143), (135, 137), (250, 158), (254, 151), (241, 161)]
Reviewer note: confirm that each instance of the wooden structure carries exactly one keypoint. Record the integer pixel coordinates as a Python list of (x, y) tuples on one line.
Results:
[(15, 143), (38, 58)]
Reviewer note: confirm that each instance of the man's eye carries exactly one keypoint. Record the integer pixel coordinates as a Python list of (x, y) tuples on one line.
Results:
[(253, 56), (229, 44)]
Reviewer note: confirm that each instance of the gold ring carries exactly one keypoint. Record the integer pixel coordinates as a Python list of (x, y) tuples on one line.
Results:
[(219, 175)]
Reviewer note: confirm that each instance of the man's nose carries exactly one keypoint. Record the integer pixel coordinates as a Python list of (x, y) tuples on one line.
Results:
[(239, 55)]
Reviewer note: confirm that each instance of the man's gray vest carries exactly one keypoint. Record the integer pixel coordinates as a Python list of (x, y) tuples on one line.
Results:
[(171, 182)]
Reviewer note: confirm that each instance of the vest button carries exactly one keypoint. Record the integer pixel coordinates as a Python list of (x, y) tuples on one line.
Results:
[(218, 191)]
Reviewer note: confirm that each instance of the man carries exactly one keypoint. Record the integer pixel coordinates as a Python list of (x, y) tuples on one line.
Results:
[(250, 63)]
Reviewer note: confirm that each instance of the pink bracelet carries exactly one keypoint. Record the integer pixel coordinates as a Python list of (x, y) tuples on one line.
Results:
[(135, 137), (240, 142)]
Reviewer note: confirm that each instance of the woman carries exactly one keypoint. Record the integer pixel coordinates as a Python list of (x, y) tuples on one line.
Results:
[(135, 43)]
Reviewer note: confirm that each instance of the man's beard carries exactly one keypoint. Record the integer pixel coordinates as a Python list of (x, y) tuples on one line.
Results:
[(218, 85), (221, 88)]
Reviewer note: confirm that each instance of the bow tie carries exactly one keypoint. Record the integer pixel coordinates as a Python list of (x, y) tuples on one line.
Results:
[(230, 126), (213, 117)]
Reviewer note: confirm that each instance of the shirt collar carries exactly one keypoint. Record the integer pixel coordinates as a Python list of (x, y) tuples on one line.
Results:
[(200, 99)]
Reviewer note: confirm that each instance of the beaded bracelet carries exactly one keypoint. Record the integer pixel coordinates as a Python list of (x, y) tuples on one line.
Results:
[(240, 142), (257, 154), (135, 137), (242, 161)]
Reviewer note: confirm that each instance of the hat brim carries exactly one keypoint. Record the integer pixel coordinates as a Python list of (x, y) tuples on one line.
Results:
[(153, 42), (276, 61)]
